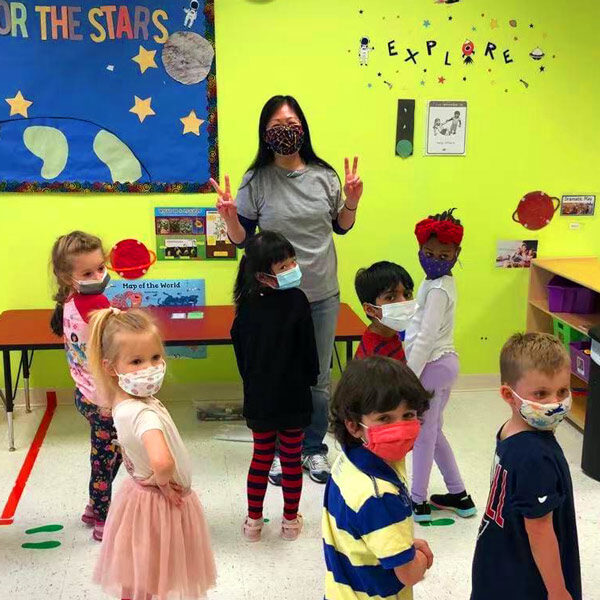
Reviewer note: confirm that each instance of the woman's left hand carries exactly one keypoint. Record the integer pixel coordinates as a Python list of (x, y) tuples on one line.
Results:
[(353, 186)]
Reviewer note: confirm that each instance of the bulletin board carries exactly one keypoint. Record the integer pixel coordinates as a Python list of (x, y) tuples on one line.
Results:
[(108, 98)]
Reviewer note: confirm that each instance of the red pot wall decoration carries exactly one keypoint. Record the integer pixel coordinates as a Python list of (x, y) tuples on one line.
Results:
[(535, 210)]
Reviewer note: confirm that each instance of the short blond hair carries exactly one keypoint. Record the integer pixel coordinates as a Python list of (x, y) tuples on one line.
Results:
[(106, 325), (531, 352)]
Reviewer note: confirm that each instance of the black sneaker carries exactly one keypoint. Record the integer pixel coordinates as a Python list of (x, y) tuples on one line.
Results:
[(421, 512), (462, 504)]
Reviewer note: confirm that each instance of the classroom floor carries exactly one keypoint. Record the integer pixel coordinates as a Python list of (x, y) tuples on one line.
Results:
[(56, 494)]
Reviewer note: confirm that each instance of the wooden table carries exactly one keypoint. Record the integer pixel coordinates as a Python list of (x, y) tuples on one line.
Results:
[(25, 331)]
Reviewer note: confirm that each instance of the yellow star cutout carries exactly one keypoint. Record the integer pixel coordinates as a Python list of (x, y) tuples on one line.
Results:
[(191, 123), (18, 105), (494, 24), (142, 108), (145, 58)]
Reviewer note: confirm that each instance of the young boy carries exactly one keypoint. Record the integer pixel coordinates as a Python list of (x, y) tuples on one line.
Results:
[(367, 519), (527, 544), (385, 290)]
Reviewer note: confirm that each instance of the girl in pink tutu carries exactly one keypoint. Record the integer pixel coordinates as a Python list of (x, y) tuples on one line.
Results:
[(156, 541)]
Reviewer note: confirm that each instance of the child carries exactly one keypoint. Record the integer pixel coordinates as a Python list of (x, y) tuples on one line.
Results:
[(156, 543), (431, 355), (78, 265), (276, 353), (527, 545), (367, 526), (385, 290)]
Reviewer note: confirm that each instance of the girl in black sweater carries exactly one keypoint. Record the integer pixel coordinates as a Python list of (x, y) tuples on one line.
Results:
[(275, 348)]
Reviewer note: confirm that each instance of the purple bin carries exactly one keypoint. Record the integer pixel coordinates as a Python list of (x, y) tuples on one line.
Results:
[(568, 297)]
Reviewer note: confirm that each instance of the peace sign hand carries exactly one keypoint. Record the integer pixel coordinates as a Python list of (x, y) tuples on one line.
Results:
[(353, 186), (225, 203)]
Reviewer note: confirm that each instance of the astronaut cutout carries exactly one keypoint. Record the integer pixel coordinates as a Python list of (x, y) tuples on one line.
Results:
[(363, 53), (191, 14)]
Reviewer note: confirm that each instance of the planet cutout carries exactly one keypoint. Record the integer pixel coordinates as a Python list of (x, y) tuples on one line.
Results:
[(187, 57), (537, 54)]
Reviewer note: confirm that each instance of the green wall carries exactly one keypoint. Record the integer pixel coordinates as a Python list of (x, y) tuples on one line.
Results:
[(543, 137)]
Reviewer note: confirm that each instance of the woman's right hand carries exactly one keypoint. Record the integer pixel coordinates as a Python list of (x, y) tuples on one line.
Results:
[(225, 203)]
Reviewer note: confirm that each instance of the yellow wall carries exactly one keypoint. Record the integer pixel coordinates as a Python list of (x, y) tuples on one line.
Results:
[(544, 137)]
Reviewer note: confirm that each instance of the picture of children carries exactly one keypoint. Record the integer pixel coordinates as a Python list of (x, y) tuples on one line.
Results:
[(516, 254), (446, 128)]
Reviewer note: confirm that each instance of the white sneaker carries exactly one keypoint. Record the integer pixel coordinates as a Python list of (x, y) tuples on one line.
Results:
[(318, 467), (275, 473)]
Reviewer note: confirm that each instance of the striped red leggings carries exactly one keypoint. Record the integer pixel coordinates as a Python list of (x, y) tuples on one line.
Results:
[(290, 454)]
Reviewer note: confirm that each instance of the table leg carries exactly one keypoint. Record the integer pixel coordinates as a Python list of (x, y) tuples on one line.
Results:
[(349, 354), (25, 363), (9, 399)]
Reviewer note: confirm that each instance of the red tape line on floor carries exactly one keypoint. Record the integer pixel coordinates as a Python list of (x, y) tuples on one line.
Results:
[(13, 500)]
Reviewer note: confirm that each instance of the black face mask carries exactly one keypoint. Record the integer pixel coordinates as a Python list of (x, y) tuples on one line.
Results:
[(285, 139), (91, 288)]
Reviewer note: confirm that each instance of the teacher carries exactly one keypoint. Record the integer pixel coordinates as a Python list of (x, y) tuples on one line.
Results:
[(289, 189)]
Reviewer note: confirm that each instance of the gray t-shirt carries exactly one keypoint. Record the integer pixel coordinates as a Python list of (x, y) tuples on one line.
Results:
[(302, 206)]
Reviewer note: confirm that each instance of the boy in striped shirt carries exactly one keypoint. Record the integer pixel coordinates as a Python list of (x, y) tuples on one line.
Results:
[(367, 523), (385, 290)]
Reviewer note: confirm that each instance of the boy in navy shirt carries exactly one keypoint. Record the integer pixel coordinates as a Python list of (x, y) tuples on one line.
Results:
[(527, 545), (385, 291)]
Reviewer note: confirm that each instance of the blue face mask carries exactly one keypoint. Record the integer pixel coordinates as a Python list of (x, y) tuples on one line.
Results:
[(289, 279)]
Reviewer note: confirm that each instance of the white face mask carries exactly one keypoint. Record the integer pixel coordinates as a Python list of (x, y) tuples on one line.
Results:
[(143, 383), (397, 315), (545, 417)]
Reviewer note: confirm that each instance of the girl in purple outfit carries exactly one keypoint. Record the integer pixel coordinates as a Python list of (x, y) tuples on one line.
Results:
[(431, 355)]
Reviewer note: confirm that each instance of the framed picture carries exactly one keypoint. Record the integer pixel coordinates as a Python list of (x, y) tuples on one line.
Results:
[(446, 128), (516, 254), (578, 206)]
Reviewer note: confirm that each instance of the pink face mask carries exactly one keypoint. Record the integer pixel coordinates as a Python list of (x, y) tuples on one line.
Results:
[(392, 442)]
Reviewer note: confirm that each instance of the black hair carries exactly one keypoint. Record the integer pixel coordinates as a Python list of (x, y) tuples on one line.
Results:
[(446, 216), (265, 156), (261, 252), (379, 278), (374, 384)]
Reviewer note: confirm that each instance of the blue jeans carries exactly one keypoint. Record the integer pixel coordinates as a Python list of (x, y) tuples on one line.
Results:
[(325, 316)]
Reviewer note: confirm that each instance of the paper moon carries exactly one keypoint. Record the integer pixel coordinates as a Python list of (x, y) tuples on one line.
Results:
[(537, 54)]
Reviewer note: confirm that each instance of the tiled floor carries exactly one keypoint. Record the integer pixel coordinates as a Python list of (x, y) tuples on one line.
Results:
[(56, 493)]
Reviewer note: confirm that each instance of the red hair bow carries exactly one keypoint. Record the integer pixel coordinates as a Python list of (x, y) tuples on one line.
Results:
[(445, 231)]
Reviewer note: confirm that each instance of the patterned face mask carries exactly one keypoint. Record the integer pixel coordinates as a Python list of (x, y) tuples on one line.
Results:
[(436, 267), (143, 383), (285, 139)]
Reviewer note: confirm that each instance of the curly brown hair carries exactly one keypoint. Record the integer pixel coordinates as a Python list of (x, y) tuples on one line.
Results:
[(374, 384)]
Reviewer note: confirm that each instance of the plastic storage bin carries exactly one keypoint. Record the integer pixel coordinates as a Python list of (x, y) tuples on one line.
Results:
[(580, 360), (568, 297), (566, 334)]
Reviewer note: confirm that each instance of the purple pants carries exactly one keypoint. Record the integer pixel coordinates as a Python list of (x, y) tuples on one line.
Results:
[(437, 377)]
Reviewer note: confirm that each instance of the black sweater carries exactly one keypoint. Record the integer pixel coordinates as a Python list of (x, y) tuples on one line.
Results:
[(274, 342)]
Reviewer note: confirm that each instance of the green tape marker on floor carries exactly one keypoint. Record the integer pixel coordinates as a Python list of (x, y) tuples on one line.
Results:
[(266, 520), (41, 545), (438, 523), (44, 529)]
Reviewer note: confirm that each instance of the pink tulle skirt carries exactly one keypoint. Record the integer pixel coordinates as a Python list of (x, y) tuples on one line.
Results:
[(152, 549)]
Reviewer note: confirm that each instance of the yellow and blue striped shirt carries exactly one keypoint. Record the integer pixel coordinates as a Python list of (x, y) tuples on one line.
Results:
[(367, 528)]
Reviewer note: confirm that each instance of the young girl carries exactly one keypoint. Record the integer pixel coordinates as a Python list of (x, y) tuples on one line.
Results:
[(274, 342), (156, 543), (78, 265), (431, 355)]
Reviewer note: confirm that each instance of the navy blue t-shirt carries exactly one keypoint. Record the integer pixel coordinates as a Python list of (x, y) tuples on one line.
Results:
[(530, 479)]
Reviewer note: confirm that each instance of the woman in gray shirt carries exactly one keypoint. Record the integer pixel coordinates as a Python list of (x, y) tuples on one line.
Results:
[(289, 189)]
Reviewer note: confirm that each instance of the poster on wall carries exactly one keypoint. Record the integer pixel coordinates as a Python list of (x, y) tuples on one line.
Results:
[(446, 128), (142, 293), (108, 98), (188, 233), (578, 206), (516, 254)]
